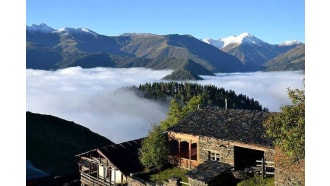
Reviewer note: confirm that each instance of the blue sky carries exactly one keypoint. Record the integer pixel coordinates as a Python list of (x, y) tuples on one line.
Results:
[(273, 21)]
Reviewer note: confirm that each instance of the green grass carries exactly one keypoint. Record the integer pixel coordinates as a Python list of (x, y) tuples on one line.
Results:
[(170, 172), (257, 181)]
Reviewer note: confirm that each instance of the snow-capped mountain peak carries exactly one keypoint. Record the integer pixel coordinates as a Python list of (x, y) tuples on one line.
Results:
[(65, 30), (245, 34), (289, 43), (75, 30), (234, 40), (216, 43), (244, 37), (41, 27)]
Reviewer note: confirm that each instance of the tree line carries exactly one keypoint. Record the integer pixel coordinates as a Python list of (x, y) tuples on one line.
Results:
[(211, 95)]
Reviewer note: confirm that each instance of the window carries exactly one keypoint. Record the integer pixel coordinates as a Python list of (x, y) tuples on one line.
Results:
[(214, 156)]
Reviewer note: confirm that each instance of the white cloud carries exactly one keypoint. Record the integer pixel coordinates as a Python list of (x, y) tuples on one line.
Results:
[(268, 88), (92, 98)]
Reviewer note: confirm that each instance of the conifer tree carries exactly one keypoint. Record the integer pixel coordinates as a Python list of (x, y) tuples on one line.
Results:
[(176, 112), (173, 116)]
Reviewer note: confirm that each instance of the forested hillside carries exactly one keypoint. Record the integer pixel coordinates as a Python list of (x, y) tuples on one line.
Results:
[(183, 92)]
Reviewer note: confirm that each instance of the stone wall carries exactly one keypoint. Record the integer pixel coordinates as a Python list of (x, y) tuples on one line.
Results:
[(134, 181), (283, 177), (219, 146), (173, 181), (288, 173), (226, 149), (269, 155), (195, 182)]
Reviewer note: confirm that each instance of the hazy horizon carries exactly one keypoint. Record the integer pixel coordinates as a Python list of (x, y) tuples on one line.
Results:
[(93, 98)]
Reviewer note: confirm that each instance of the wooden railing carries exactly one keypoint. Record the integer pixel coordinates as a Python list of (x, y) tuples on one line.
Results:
[(184, 183), (91, 180), (266, 167)]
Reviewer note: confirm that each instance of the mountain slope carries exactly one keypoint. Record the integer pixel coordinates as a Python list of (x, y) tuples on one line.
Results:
[(183, 47), (52, 143), (294, 59), (250, 50), (68, 47)]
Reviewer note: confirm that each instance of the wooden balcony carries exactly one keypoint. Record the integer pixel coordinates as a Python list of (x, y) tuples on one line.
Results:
[(88, 179)]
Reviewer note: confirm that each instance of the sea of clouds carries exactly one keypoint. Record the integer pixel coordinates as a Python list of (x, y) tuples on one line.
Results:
[(93, 98)]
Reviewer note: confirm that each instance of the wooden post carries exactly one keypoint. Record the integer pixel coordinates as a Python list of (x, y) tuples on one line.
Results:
[(179, 152), (97, 171), (114, 176), (110, 169), (263, 168), (189, 154)]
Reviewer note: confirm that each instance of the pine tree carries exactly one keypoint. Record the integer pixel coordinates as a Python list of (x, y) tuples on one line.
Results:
[(176, 112), (173, 116)]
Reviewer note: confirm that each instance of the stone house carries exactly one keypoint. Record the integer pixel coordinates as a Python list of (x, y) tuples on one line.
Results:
[(209, 137), (232, 136)]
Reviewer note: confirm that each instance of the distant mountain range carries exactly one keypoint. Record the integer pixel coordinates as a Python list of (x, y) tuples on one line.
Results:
[(252, 51), (50, 49)]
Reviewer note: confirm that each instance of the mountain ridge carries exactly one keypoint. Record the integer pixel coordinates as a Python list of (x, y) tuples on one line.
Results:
[(250, 49), (67, 47)]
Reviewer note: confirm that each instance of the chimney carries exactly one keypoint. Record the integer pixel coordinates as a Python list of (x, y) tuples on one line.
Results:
[(225, 103)]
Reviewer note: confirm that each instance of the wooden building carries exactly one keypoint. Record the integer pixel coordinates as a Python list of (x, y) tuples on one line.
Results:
[(110, 165), (232, 136)]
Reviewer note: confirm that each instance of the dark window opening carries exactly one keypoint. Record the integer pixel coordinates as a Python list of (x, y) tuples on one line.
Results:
[(174, 147), (244, 157), (194, 151), (184, 149)]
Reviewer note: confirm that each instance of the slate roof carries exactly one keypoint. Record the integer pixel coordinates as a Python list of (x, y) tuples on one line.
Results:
[(228, 124), (208, 170), (125, 156)]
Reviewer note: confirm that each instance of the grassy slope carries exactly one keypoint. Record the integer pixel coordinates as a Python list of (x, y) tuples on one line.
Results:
[(294, 59), (52, 143)]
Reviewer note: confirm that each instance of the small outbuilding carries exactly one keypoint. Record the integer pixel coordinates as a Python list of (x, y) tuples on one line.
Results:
[(211, 173)]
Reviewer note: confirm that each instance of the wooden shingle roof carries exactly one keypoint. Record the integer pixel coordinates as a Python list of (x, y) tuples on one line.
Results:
[(228, 124)]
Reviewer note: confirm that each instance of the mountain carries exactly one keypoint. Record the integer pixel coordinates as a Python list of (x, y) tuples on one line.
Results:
[(52, 143), (293, 59), (251, 50), (40, 28), (50, 49)]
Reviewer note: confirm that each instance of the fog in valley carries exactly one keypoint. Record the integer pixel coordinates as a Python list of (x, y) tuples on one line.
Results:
[(93, 98), (269, 88)]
